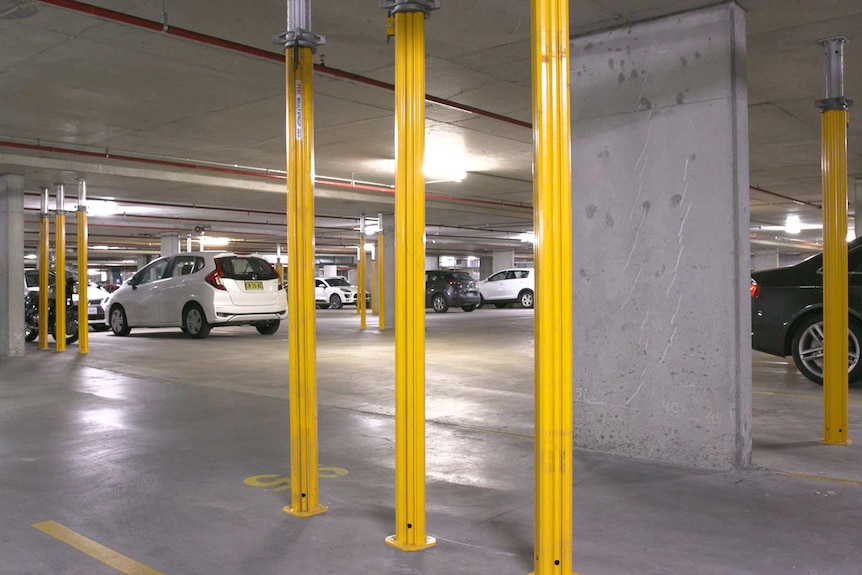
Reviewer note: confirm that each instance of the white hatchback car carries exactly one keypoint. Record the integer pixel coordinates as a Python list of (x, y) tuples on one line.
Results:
[(516, 285), (197, 291)]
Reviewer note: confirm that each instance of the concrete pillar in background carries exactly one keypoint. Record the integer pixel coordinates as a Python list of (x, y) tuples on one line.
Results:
[(12, 266)]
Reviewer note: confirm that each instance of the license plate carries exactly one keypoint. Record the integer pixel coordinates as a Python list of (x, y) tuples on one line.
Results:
[(253, 285), (92, 310)]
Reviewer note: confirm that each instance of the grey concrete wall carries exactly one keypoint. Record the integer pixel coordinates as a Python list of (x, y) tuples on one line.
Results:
[(486, 266), (661, 252), (11, 266), (504, 259)]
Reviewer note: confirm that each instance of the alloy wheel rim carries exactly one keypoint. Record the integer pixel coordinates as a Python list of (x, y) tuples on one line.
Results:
[(811, 351)]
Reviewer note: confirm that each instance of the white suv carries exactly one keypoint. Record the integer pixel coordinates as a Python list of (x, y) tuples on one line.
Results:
[(516, 285), (197, 291), (335, 293)]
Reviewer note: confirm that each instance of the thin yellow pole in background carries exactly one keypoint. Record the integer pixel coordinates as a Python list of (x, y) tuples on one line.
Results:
[(60, 272), (304, 474), (552, 199), (360, 294), (381, 284), (835, 279), (83, 277), (374, 294), (410, 529), (44, 265)]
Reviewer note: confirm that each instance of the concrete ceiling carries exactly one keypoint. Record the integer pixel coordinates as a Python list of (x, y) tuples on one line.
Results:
[(184, 133)]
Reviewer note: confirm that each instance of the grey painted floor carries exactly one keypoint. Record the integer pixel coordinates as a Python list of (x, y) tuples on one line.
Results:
[(175, 452)]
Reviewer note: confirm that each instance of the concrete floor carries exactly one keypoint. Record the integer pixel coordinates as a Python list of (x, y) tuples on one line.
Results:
[(153, 447)]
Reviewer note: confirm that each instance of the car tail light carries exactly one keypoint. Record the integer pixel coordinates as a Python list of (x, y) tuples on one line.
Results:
[(280, 282), (214, 277), (452, 282), (755, 289)]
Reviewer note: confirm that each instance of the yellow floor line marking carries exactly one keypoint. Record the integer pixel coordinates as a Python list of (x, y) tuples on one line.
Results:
[(823, 478), (799, 395), (95, 550)]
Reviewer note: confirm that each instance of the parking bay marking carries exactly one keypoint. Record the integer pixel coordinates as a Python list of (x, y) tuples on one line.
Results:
[(95, 550), (281, 483)]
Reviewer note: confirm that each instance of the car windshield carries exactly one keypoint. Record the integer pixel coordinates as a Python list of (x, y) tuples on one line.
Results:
[(337, 282), (246, 268)]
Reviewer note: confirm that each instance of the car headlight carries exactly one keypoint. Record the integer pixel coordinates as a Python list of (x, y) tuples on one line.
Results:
[(345, 290)]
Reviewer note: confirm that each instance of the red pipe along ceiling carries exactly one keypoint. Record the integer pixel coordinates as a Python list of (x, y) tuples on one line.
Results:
[(265, 54)]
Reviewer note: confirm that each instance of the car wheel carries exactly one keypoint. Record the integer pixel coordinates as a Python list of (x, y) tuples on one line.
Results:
[(468, 307), (30, 333), (807, 349), (195, 321), (499, 305), (481, 303), (119, 323), (526, 298), (440, 304), (335, 302), (268, 327)]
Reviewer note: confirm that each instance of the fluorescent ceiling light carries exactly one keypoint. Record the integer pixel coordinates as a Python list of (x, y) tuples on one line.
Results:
[(215, 241), (793, 225), (528, 237), (30, 257), (100, 208)]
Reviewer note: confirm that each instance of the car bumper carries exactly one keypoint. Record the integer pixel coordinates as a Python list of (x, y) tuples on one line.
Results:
[(467, 298), (244, 317)]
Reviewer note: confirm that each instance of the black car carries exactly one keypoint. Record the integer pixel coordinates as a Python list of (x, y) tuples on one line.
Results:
[(450, 288), (787, 313)]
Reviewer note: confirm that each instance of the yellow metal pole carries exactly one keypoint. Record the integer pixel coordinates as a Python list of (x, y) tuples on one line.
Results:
[(373, 273), (83, 303), (381, 285), (552, 193), (60, 272), (360, 295), (44, 264), (835, 279), (304, 479), (410, 529)]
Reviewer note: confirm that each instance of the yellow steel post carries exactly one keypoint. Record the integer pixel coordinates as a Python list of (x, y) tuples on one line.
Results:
[(60, 272), (83, 303), (835, 279), (299, 46), (553, 261), (44, 264), (381, 285), (360, 294), (410, 529), (373, 277)]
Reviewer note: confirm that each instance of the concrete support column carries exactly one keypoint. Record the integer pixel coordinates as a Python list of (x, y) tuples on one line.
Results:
[(504, 259), (170, 244), (486, 266), (11, 266), (764, 259), (142, 260), (432, 262), (660, 185), (330, 271)]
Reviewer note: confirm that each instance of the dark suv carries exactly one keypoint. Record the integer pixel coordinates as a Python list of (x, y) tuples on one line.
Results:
[(450, 288)]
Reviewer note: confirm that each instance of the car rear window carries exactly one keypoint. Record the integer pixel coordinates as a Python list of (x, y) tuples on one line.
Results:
[(462, 276), (246, 268)]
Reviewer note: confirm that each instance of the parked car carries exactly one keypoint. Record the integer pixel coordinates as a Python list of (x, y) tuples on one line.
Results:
[(197, 291), (787, 313), (516, 285), (450, 288), (335, 293), (95, 295)]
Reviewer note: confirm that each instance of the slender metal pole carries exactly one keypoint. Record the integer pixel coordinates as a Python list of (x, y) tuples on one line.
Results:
[(552, 198), (44, 265), (83, 277), (299, 54), (381, 280), (360, 295), (410, 529), (835, 117), (60, 272)]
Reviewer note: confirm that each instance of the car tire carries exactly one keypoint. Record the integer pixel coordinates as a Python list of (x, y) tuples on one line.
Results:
[(525, 298), (468, 308), (30, 333), (481, 302), (335, 302), (119, 323), (268, 327), (807, 348), (439, 303), (195, 321)]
